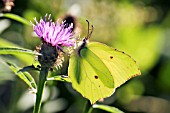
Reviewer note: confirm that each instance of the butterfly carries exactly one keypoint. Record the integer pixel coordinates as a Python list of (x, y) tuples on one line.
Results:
[(96, 69)]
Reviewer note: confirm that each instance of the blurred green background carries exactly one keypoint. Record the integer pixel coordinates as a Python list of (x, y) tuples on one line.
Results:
[(140, 28)]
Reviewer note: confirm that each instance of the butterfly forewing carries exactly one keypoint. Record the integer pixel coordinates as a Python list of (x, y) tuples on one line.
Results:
[(121, 65)]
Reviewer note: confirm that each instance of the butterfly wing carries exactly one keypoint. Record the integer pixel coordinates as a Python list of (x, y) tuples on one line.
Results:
[(97, 70), (121, 65), (90, 76)]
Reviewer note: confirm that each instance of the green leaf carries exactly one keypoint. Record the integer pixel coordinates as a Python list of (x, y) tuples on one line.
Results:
[(6, 43), (96, 70), (4, 50), (16, 18), (25, 76), (28, 68), (59, 78), (23, 57), (108, 108)]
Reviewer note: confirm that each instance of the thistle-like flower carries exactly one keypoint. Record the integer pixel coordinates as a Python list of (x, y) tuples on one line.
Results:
[(53, 33), (54, 36)]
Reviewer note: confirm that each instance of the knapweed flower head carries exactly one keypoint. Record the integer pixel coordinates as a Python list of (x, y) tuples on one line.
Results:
[(54, 36), (54, 33)]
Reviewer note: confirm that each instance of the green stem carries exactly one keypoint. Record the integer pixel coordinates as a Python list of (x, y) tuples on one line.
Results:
[(88, 107), (41, 84), (90, 110)]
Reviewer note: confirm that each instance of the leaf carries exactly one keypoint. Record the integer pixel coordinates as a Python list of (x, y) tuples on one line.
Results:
[(96, 70), (6, 43), (4, 50), (28, 68), (23, 57), (108, 108), (15, 17), (59, 78), (25, 76)]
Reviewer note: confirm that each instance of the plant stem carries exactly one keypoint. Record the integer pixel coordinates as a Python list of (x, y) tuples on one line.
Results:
[(90, 110), (41, 84), (87, 108)]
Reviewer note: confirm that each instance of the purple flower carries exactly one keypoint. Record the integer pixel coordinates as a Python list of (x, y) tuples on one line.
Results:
[(53, 33)]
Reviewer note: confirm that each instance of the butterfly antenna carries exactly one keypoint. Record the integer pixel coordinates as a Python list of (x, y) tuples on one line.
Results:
[(92, 27), (89, 33), (88, 24)]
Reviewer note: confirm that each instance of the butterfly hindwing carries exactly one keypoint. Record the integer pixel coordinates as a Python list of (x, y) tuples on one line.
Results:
[(90, 76)]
